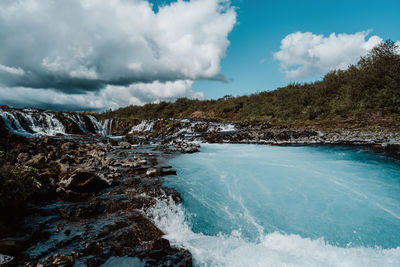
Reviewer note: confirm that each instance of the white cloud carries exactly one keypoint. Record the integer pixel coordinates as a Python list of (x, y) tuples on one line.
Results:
[(94, 47), (306, 54), (10, 70), (100, 42), (109, 97)]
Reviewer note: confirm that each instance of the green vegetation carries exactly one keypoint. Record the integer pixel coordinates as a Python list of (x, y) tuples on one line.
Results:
[(370, 86), (17, 183)]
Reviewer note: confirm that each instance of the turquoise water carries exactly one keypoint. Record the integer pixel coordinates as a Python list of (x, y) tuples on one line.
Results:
[(252, 205)]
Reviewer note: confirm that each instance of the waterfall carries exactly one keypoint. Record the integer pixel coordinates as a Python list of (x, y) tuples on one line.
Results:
[(29, 122), (144, 126), (78, 120), (98, 127), (32, 122), (107, 126), (12, 124)]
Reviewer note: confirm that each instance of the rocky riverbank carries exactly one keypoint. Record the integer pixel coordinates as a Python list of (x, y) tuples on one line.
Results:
[(169, 131), (90, 205)]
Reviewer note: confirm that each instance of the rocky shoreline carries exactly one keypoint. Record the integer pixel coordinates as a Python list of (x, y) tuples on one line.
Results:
[(173, 130), (93, 191), (91, 204)]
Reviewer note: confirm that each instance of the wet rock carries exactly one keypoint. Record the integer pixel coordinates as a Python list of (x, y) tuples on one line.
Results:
[(6, 260), (83, 210), (58, 260), (67, 147), (152, 172), (129, 164), (12, 245), (22, 157), (37, 160), (82, 180), (124, 145), (141, 161), (113, 142), (168, 171)]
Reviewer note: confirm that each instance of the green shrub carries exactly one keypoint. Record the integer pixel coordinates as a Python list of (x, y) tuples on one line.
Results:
[(17, 183)]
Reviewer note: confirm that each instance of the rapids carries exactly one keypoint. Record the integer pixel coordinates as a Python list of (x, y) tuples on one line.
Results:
[(252, 205)]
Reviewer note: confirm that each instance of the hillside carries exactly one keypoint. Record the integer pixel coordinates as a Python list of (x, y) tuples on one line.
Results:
[(367, 94)]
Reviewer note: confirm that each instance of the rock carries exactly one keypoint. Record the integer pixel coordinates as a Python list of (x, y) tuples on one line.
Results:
[(66, 147), (12, 246), (59, 260), (190, 149), (82, 180), (152, 172), (63, 167), (168, 171), (124, 145), (38, 159), (142, 161), (22, 157), (6, 260), (113, 142), (129, 164)]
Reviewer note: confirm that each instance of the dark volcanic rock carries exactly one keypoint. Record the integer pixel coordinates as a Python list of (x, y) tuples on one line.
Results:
[(124, 145), (76, 215), (6, 260), (82, 180), (59, 260)]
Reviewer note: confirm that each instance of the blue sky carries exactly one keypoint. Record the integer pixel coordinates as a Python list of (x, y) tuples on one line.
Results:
[(108, 54), (263, 24)]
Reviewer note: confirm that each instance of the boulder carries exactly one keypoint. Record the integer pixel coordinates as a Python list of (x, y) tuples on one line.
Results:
[(152, 172), (124, 145), (38, 159), (67, 147), (22, 157), (82, 180), (60, 260), (168, 171), (6, 260)]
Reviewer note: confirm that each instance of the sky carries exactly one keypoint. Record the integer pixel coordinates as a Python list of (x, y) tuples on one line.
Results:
[(102, 54)]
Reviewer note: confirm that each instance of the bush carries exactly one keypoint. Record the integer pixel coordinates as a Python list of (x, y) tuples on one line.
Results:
[(17, 183)]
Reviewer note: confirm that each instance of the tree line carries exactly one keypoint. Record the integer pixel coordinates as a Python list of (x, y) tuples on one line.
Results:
[(373, 84)]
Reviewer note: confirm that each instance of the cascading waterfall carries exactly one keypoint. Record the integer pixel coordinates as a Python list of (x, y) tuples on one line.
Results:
[(78, 120), (98, 127), (32, 122), (148, 126), (108, 125), (12, 124), (143, 126), (105, 125)]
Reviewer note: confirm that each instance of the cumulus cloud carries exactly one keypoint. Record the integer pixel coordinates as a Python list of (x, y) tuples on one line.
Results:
[(81, 46), (304, 54), (110, 97)]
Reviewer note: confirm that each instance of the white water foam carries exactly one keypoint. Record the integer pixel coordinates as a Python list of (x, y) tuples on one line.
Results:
[(274, 249), (143, 126)]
